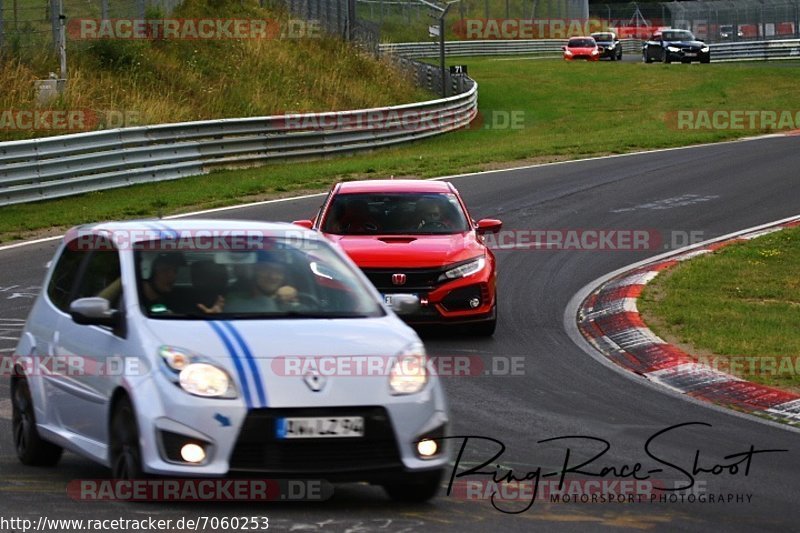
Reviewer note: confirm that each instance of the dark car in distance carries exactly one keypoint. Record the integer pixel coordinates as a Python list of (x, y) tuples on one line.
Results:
[(675, 45), (609, 45)]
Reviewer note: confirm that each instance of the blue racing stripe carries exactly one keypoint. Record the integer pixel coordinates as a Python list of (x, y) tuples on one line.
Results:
[(262, 396), (236, 361)]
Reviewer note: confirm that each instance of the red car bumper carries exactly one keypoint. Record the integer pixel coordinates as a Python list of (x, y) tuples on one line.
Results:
[(469, 299)]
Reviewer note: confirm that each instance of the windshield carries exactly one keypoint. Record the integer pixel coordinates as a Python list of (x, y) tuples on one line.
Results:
[(395, 214), (682, 35), (581, 43), (280, 278), (603, 36)]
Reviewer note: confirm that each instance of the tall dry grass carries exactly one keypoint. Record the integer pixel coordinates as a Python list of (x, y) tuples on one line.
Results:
[(172, 81)]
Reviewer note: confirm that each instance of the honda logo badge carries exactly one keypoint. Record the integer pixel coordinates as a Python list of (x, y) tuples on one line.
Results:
[(398, 279)]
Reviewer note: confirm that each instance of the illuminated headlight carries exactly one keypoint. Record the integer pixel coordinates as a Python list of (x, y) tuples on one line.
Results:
[(705, 49), (673, 49), (194, 375), (409, 373), (567, 53), (202, 379), (595, 52), (467, 269)]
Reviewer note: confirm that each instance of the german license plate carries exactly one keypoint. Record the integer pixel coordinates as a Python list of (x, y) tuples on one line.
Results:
[(319, 427), (387, 299), (690, 54)]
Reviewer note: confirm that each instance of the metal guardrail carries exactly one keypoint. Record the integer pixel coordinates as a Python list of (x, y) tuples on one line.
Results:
[(538, 47), (756, 51), (737, 51), (65, 165)]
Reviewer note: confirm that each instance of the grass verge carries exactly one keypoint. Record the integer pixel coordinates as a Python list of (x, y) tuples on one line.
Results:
[(531, 111), (738, 308)]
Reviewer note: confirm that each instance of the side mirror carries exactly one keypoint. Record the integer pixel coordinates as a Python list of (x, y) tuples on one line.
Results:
[(488, 225), (308, 224), (402, 304), (94, 311)]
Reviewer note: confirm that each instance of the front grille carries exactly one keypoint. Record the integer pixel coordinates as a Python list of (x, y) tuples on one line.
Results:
[(258, 450), (419, 279)]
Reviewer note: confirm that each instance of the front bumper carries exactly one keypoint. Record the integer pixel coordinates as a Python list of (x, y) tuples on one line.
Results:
[(242, 441), (446, 302), (688, 56), (609, 52)]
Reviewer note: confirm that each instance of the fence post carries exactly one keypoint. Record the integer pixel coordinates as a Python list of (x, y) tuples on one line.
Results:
[(55, 24), (351, 19), (104, 9), (2, 28)]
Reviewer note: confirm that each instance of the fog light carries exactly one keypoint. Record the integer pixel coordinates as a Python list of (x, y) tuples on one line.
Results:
[(193, 453), (427, 448), (474, 302)]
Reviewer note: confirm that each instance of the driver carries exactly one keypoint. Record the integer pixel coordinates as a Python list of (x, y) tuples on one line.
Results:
[(157, 291), (430, 214)]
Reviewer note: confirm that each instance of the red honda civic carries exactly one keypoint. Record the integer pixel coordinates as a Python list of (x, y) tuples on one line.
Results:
[(417, 237)]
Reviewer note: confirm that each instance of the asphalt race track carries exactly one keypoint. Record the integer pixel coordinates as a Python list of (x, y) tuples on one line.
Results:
[(713, 189)]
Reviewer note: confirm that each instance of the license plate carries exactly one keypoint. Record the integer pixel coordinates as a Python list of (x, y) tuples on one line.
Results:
[(387, 298), (319, 427), (690, 54)]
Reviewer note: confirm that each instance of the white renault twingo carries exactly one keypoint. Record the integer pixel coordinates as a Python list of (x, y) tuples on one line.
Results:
[(204, 348)]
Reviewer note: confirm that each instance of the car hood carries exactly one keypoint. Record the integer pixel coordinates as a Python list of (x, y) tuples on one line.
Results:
[(685, 43), (273, 338), (271, 361), (410, 251)]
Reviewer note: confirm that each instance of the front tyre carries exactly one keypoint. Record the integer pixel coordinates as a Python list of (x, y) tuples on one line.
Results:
[(415, 488), (31, 449), (705, 60), (125, 453), (646, 57)]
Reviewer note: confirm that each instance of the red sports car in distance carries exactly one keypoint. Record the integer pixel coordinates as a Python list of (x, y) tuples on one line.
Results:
[(581, 48), (416, 237)]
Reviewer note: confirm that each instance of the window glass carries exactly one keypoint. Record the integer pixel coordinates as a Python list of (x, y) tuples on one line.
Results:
[(102, 274), (64, 276)]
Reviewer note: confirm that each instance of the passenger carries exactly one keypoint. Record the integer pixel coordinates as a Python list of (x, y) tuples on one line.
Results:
[(270, 292), (356, 218)]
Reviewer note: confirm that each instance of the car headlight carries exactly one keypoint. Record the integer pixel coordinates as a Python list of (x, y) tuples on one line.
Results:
[(673, 49), (705, 49), (467, 269), (567, 53), (595, 52), (409, 372), (195, 375), (203, 379)]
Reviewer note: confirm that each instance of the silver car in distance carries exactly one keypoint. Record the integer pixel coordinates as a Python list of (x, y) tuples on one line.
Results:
[(208, 348)]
